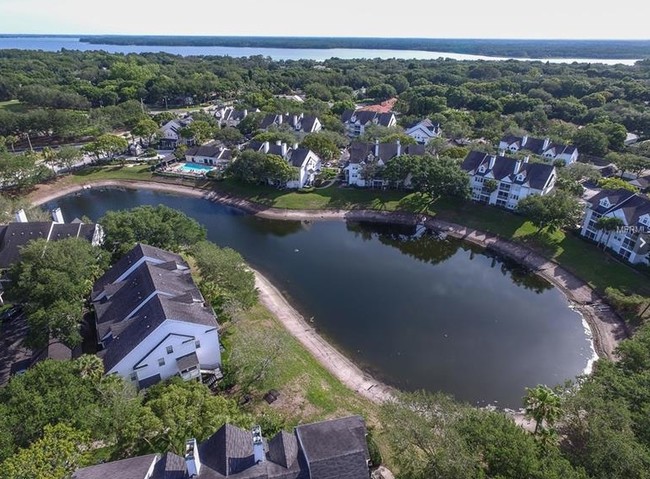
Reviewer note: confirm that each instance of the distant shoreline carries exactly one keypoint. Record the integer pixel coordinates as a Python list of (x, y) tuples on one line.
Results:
[(524, 49)]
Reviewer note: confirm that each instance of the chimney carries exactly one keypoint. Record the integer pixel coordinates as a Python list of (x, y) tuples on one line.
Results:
[(294, 120), (295, 146), (493, 160), (547, 142), (524, 139), (399, 148), (283, 149), (526, 158), (265, 147), (57, 216), (245, 112), (517, 166), (192, 460), (258, 445), (21, 217), (377, 147)]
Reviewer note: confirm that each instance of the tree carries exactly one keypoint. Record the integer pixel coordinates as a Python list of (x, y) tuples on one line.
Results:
[(200, 131), (257, 167), (420, 428), (253, 354), (106, 146), (187, 409), (146, 128), (490, 185), (60, 451), (229, 136), (22, 171), (625, 162), (224, 272), (322, 145), (68, 156), (440, 177), (543, 406), (616, 184), (554, 211), (591, 140), (276, 134), (608, 224), (158, 226), (54, 280)]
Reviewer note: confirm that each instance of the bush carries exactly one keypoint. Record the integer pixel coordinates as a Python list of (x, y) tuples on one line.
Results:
[(373, 450), (308, 189), (150, 153)]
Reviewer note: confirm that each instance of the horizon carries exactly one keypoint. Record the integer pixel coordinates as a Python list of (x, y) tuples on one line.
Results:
[(182, 35), (338, 18)]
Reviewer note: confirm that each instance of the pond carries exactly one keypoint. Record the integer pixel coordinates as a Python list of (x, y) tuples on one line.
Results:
[(414, 310)]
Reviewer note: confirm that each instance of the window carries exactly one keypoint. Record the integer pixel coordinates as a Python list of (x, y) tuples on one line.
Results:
[(170, 349), (133, 377), (161, 362), (197, 344)]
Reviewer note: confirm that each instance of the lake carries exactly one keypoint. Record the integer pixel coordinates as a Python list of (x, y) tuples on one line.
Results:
[(416, 311), (55, 44)]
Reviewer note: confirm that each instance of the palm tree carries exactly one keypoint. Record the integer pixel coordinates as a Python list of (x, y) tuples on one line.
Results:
[(542, 405), (608, 224)]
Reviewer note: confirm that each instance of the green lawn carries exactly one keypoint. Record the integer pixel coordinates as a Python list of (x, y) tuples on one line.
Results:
[(582, 258), (308, 392), (14, 106)]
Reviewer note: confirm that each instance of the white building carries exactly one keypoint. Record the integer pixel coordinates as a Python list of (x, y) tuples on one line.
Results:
[(631, 240), (170, 132), (355, 122), (152, 321), (308, 165), (424, 131), (209, 155), (297, 123), (541, 147), (515, 179), (377, 154), (304, 160), (229, 116)]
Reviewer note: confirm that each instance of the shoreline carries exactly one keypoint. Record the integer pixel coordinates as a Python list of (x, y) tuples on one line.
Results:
[(606, 329)]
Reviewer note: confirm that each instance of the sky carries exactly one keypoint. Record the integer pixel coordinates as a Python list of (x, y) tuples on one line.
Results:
[(565, 19)]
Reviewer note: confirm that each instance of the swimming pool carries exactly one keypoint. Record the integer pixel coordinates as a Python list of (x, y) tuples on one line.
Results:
[(194, 168)]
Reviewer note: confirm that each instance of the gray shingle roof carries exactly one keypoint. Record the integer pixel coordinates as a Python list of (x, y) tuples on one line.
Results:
[(138, 252), (359, 151), (13, 236), (151, 294), (536, 175), (209, 151), (298, 156), (335, 448), (632, 205), (365, 117), (132, 468), (283, 449)]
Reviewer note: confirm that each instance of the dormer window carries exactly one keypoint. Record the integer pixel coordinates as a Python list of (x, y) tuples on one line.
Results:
[(481, 169), (520, 177), (645, 219), (605, 203)]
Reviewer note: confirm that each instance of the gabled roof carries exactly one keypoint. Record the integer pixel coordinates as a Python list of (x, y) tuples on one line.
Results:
[(520, 172), (632, 205), (299, 155), (365, 117), (426, 125), (360, 151), (136, 254), (208, 151), (13, 236), (151, 293), (132, 468), (228, 451), (283, 449), (335, 448), (308, 123)]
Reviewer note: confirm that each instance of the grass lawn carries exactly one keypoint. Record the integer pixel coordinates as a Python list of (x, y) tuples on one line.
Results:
[(14, 106), (582, 258), (308, 392)]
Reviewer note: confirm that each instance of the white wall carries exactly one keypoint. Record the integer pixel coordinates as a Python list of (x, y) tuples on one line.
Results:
[(181, 335)]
